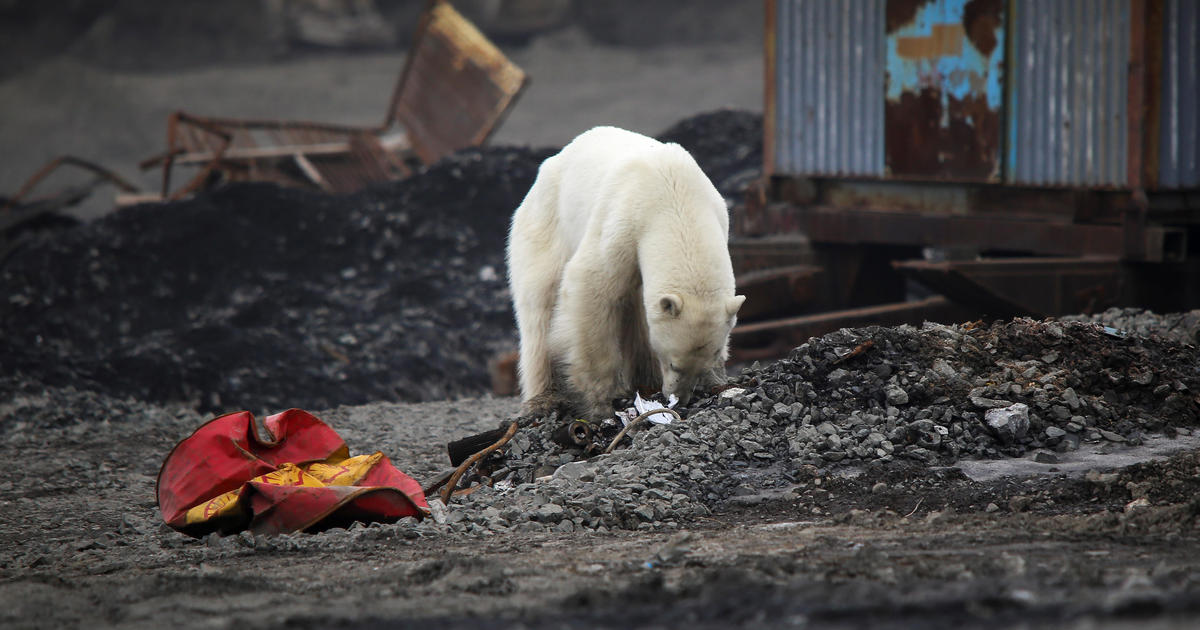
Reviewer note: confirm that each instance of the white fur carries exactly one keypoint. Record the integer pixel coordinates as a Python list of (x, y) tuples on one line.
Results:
[(619, 266)]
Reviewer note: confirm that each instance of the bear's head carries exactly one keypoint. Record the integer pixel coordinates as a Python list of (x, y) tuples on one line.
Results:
[(690, 338)]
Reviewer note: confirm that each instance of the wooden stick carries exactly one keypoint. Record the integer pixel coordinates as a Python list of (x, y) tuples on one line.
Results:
[(636, 420)]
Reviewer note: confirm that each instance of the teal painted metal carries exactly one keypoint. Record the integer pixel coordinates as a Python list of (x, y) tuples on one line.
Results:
[(945, 88), (959, 75)]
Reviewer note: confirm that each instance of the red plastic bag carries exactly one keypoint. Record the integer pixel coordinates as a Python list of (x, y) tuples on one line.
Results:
[(225, 478)]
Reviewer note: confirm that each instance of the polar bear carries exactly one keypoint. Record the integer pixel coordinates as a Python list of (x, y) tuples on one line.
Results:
[(618, 263)]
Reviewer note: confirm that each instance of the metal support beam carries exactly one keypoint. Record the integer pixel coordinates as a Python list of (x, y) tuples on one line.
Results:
[(1013, 287), (1046, 238)]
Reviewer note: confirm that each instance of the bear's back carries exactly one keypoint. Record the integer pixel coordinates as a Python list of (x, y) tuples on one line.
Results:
[(606, 174)]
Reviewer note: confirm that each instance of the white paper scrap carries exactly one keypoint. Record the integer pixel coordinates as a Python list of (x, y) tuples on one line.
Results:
[(641, 406)]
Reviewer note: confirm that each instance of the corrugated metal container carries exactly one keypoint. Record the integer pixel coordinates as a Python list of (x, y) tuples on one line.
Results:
[(1067, 93), (1179, 141), (829, 87)]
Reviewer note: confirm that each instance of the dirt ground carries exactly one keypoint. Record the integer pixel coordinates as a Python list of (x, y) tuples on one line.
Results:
[(889, 546)]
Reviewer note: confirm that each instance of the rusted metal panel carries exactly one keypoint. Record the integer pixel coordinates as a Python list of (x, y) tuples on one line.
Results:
[(828, 106), (455, 88), (945, 61), (1179, 140), (1136, 110), (1067, 95), (770, 91)]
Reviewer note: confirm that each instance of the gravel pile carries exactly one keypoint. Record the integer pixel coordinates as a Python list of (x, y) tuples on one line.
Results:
[(930, 396), (1177, 327)]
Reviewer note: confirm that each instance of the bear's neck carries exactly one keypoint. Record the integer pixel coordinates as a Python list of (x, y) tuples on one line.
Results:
[(686, 256)]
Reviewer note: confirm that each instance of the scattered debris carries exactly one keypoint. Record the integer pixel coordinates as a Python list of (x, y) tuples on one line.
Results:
[(455, 89), (1119, 322), (642, 405), (857, 351), (452, 483)]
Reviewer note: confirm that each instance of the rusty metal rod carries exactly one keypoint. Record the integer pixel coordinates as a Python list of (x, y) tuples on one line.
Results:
[(68, 160), (448, 491)]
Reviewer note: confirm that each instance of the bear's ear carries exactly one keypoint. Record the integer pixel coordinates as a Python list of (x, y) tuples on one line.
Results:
[(670, 304), (734, 303)]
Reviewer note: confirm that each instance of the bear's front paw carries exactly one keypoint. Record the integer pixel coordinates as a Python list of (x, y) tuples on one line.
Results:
[(543, 405)]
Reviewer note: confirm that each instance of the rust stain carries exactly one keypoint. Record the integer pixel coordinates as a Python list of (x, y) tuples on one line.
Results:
[(974, 137), (944, 40), (918, 144), (901, 12), (911, 135), (981, 19)]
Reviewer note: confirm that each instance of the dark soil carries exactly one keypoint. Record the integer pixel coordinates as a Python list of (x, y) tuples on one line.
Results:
[(81, 542), (262, 297)]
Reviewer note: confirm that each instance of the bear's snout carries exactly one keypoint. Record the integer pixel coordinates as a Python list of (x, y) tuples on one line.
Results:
[(679, 385)]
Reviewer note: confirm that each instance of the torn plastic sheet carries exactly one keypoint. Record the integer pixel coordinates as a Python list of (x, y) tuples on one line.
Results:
[(641, 406), (226, 478), (1114, 332)]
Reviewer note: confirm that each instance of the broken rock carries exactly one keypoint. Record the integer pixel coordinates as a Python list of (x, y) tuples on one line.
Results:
[(1009, 423)]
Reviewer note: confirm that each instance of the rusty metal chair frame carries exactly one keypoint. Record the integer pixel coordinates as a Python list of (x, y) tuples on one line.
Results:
[(454, 90), (101, 174)]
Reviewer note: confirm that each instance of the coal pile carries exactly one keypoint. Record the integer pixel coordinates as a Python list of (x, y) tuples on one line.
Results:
[(255, 296), (926, 397)]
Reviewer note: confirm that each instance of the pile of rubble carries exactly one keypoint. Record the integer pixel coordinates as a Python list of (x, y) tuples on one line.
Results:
[(928, 396)]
